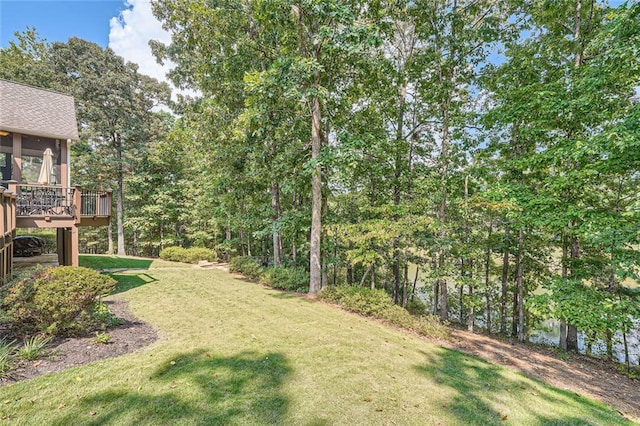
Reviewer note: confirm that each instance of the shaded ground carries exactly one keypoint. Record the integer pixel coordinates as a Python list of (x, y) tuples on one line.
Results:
[(595, 378), (71, 352)]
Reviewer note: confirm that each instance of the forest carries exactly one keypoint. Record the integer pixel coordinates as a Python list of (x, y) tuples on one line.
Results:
[(481, 157)]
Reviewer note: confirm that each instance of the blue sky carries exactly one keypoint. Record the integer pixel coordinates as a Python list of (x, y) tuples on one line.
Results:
[(58, 20), (126, 26)]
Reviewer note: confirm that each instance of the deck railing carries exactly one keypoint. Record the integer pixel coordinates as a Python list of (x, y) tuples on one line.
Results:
[(45, 200), (95, 203), (7, 231), (58, 201)]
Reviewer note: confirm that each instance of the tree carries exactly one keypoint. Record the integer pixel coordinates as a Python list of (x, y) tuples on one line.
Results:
[(114, 104)]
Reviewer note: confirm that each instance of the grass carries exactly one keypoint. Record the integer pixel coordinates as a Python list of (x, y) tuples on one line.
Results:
[(233, 352), (114, 262)]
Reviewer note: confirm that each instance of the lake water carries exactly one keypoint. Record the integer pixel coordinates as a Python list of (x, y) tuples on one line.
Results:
[(550, 335)]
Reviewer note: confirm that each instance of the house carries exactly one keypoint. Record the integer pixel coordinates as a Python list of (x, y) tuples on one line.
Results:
[(37, 127)]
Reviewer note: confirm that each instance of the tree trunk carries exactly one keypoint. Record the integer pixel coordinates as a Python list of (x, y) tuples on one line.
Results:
[(444, 301), (504, 283), (487, 265), (110, 238), (315, 267), (471, 315), (120, 196), (520, 286), (364, 276), (350, 267), (405, 285), (277, 214)]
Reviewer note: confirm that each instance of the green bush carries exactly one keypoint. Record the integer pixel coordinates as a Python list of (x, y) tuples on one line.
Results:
[(190, 255), (196, 254), (173, 254), (289, 279), (378, 304), (57, 301), (246, 265)]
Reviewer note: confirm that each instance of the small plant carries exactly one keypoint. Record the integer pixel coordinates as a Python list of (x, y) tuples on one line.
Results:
[(102, 338), (33, 348), (103, 316), (6, 357)]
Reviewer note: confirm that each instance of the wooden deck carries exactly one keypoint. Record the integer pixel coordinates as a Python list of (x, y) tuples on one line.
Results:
[(49, 206)]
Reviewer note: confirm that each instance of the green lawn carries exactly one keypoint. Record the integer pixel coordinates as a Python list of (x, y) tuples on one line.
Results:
[(113, 262), (232, 352)]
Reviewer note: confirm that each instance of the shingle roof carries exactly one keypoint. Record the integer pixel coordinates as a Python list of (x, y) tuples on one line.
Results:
[(39, 112)]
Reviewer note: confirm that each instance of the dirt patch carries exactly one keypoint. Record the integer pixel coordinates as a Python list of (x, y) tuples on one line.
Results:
[(592, 377), (66, 353)]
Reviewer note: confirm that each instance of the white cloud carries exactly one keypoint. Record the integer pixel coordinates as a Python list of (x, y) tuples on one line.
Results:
[(129, 37), (130, 33)]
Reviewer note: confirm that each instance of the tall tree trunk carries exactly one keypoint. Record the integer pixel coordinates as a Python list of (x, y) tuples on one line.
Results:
[(520, 286), (469, 266), (277, 214), (572, 331), (442, 214), (120, 196), (487, 265), (315, 266), (565, 269), (397, 185), (110, 238), (504, 283)]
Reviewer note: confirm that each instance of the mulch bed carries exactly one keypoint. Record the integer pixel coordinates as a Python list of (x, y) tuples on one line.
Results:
[(66, 353)]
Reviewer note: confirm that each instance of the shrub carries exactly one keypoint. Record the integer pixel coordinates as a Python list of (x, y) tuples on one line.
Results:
[(173, 254), (196, 254), (416, 307), (289, 279), (378, 304), (246, 265), (190, 255), (56, 301)]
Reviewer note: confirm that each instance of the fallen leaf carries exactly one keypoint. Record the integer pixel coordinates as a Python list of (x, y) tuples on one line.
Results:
[(367, 399), (78, 379), (7, 401), (504, 418), (535, 393)]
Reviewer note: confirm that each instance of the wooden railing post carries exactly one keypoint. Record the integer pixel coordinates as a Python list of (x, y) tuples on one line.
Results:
[(77, 203)]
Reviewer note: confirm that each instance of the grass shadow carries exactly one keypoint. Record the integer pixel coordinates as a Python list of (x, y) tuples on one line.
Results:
[(113, 262), (197, 388), (478, 387), (128, 281)]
